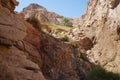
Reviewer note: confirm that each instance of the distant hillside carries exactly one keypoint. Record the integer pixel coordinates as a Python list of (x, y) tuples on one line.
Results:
[(42, 13)]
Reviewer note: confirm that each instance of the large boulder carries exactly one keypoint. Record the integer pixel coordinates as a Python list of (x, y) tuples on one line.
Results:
[(15, 65)]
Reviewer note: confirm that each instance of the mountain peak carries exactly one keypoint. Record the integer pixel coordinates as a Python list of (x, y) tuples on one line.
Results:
[(34, 6), (42, 13)]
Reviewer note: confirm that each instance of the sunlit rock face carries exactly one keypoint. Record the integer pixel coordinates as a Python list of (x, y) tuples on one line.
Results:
[(101, 23)]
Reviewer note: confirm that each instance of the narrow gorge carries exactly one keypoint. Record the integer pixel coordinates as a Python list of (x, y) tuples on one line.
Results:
[(31, 52)]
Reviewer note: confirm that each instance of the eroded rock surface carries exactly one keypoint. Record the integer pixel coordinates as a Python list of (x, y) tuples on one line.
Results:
[(101, 24)]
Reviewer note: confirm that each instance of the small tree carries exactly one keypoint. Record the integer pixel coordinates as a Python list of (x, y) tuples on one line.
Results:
[(66, 22)]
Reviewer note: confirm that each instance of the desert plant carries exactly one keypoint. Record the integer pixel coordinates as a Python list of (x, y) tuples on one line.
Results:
[(66, 22), (68, 39), (99, 73)]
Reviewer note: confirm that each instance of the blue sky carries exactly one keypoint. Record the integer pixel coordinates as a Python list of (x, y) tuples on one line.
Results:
[(68, 8)]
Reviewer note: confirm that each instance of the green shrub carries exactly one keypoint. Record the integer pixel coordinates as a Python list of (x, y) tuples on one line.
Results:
[(66, 22), (99, 73)]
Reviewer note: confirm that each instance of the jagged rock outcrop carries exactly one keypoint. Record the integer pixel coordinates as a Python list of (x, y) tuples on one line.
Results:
[(9, 4), (41, 13), (101, 24), (26, 53)]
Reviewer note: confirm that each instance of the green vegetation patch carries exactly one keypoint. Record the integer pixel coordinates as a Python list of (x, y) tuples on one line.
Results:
[(66, 22), (99, 73)]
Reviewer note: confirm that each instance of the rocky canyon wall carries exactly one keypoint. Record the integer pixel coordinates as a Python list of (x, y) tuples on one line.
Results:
[(101, 23), (27, 53)]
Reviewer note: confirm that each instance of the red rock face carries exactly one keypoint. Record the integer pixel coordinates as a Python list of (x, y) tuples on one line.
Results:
[(18, 59), (26, 53), (85, 43), (10, 5)]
